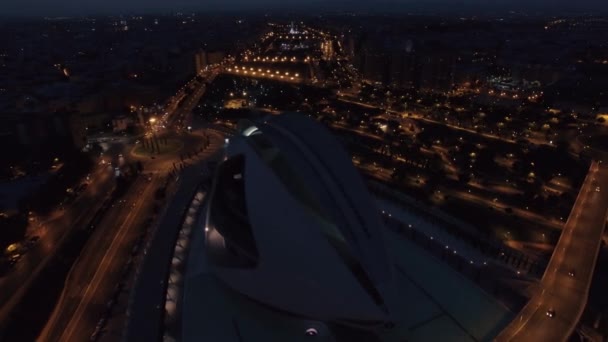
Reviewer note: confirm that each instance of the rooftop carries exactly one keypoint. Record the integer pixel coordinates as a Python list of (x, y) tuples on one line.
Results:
[(438, 304)]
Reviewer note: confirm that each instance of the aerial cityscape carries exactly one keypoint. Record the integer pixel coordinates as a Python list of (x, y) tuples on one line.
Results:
[(308, 171)]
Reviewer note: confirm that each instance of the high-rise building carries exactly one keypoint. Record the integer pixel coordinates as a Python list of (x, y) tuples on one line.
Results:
[(375, 66), (436, 70)]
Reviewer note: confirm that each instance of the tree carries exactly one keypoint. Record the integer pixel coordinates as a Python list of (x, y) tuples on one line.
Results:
[(13, 229), (464, 177)]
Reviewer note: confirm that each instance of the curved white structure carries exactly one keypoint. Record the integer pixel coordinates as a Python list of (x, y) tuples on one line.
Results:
[(290, 224)]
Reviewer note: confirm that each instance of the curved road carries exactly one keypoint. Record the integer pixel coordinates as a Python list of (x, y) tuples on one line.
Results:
[(564, 288)]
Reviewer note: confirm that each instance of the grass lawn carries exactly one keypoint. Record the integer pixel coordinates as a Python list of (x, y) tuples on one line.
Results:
[(172, 146)]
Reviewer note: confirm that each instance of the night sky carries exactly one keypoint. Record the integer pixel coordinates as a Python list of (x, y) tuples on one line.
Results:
[(73, 7)]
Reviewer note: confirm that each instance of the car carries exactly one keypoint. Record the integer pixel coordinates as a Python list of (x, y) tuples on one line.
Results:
[(80, 188), (597, 189), (13, 259), (550, 313), (31, 241), (99, 329), (95, 335), (102, 322), (12, 262)]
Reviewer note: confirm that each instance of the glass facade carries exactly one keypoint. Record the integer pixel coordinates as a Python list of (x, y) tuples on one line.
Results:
[(228, 215)]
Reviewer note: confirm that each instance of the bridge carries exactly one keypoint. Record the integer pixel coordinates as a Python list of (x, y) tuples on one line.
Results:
[(554, 310)]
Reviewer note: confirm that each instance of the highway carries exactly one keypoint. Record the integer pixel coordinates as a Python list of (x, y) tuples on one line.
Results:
[(92, 279), (77, 298), (564, 288), (146, 309), (16, 283), (180, 116)]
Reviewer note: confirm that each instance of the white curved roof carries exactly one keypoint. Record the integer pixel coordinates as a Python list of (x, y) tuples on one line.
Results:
[(332, 170), (320, 248)]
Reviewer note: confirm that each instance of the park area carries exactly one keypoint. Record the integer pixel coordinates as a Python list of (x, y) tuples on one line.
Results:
[(157, 146)]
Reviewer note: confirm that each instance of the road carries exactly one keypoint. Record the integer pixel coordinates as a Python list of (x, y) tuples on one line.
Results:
[(54, 230), (475, 197), (16, 283), (180, 116), (192, 142), (270, 76), (527, 215), (148, 296), (93, 278), (395, 114), (576, 251)]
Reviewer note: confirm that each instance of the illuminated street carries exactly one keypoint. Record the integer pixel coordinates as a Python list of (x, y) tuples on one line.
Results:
[(555, 309), (75, 216), (285, 171), (93, 279)]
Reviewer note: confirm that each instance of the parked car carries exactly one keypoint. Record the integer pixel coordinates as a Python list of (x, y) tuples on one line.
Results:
[(32, 241)]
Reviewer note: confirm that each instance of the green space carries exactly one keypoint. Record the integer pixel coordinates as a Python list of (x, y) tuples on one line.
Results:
[(151, 147)]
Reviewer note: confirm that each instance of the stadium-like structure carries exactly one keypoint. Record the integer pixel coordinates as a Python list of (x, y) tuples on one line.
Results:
[(290, 224)]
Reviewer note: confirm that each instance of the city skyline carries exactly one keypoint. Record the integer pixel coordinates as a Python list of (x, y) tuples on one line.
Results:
[(35, 8), (419, 172)]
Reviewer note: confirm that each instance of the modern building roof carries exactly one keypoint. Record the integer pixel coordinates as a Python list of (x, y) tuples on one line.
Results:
[(293, 241), (291, 224), (435, 304)]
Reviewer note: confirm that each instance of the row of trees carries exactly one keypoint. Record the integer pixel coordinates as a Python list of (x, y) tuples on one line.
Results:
[(74, 168), (153, 143)]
